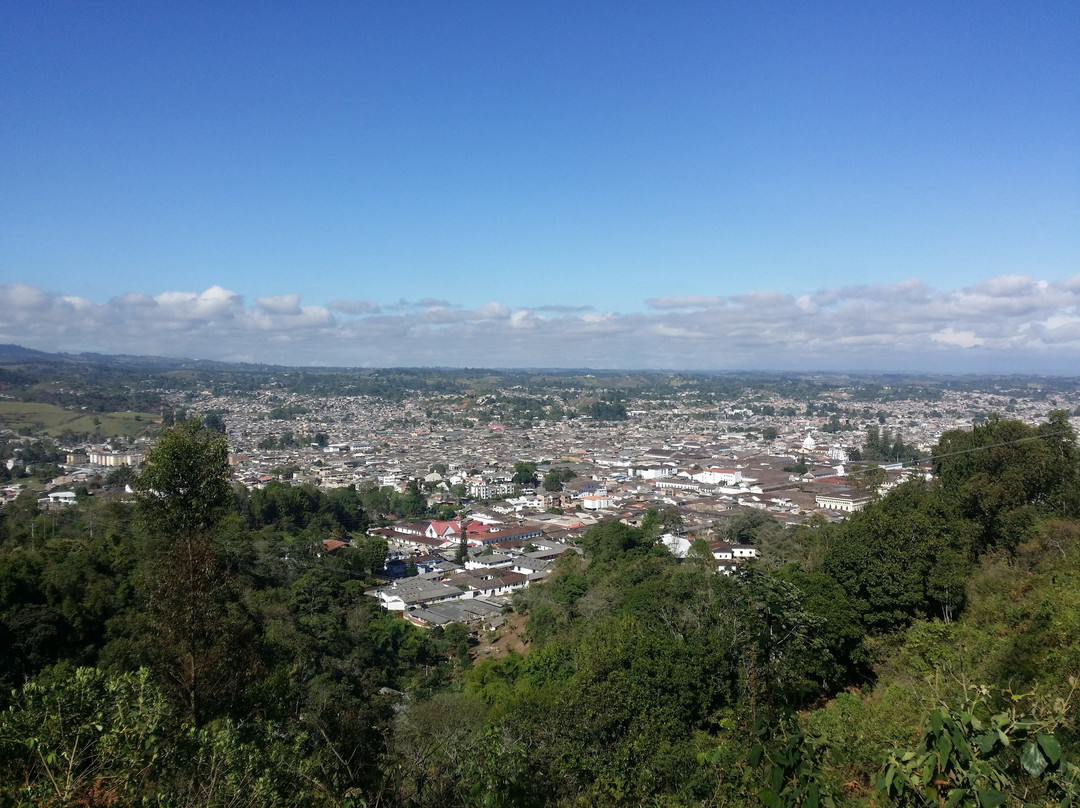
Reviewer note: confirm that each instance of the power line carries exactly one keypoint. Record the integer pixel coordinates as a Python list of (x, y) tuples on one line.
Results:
[(958, 453)]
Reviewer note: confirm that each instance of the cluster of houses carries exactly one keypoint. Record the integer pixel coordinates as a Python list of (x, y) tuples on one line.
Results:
[(706, 460), (467, 569)]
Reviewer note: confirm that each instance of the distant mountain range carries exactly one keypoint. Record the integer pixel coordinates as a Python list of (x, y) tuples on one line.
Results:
[(15, 354)]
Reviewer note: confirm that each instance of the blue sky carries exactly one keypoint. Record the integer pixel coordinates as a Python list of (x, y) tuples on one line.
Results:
[(756, 185)]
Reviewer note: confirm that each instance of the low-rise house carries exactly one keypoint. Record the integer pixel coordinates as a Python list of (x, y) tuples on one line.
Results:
[(500, 533), (57, 499), (653, 472), (421, 591), (488, 562), (414, 542), (531, 565), (443, 530), (475, 610), (682, 484), (721, 550)]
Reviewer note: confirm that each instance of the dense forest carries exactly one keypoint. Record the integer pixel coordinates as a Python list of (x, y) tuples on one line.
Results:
[(193, 648)]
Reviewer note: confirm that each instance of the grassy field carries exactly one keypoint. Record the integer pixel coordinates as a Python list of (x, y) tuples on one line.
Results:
[(48, 419)]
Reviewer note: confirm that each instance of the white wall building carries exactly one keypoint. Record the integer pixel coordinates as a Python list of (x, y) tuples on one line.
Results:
[(848, 503), (716, 476)]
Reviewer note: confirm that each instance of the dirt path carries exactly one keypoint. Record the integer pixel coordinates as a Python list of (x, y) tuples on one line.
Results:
[(508, 637)]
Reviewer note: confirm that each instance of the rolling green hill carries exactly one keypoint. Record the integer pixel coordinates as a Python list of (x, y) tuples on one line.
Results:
[(53, 420)]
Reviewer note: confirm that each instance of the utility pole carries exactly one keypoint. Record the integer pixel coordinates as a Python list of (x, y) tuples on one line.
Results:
[(463, 543)]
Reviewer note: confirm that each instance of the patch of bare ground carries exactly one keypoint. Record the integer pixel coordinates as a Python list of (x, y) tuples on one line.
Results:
[(510, 636)]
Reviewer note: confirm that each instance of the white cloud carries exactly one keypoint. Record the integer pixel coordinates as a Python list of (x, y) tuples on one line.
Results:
[(1005, 286), (1008, 323), (354, 306), (523, 318), (215, 303), (281, 304), (962, 339), (22, 298), (664, 330), (561, 308), (684, 302), (133, 299), (492, 311), (1071, 285), (280, 318)]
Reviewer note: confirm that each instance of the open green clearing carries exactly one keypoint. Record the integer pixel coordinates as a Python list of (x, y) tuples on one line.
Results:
[(51, 420)]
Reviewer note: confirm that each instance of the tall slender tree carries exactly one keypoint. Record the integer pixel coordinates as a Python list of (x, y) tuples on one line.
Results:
[(200, 641)]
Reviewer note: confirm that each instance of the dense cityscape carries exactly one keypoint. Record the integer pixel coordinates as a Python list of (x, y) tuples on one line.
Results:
[(518, 472), (540, 405)]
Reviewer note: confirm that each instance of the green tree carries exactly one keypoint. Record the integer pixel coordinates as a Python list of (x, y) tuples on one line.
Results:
[(901, 557), (701, 556), (372, 554), (524, 474), (784, 649), (200, 639), (840, 630), (412, 504), (183, 491), (120, 476), (610, 540), (1004, 474), (214, 422), (606, 411), (799, 467), (748, 525), (870, 478), (555, 479), (671, 520)]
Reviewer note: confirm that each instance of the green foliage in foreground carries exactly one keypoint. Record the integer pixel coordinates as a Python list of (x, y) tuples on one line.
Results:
[(975, 753), (193, 651), (84, 737)]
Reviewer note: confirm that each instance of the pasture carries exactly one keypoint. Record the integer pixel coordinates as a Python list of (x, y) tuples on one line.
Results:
[(48, 419)]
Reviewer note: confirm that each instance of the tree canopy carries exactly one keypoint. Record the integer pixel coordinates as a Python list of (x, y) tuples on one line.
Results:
[(183, 490)]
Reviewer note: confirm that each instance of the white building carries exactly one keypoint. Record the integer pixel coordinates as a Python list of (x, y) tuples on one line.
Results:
[(99, 458), (57, 499), (596, 502), (716, 476), (481, 489), (841, 501)]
